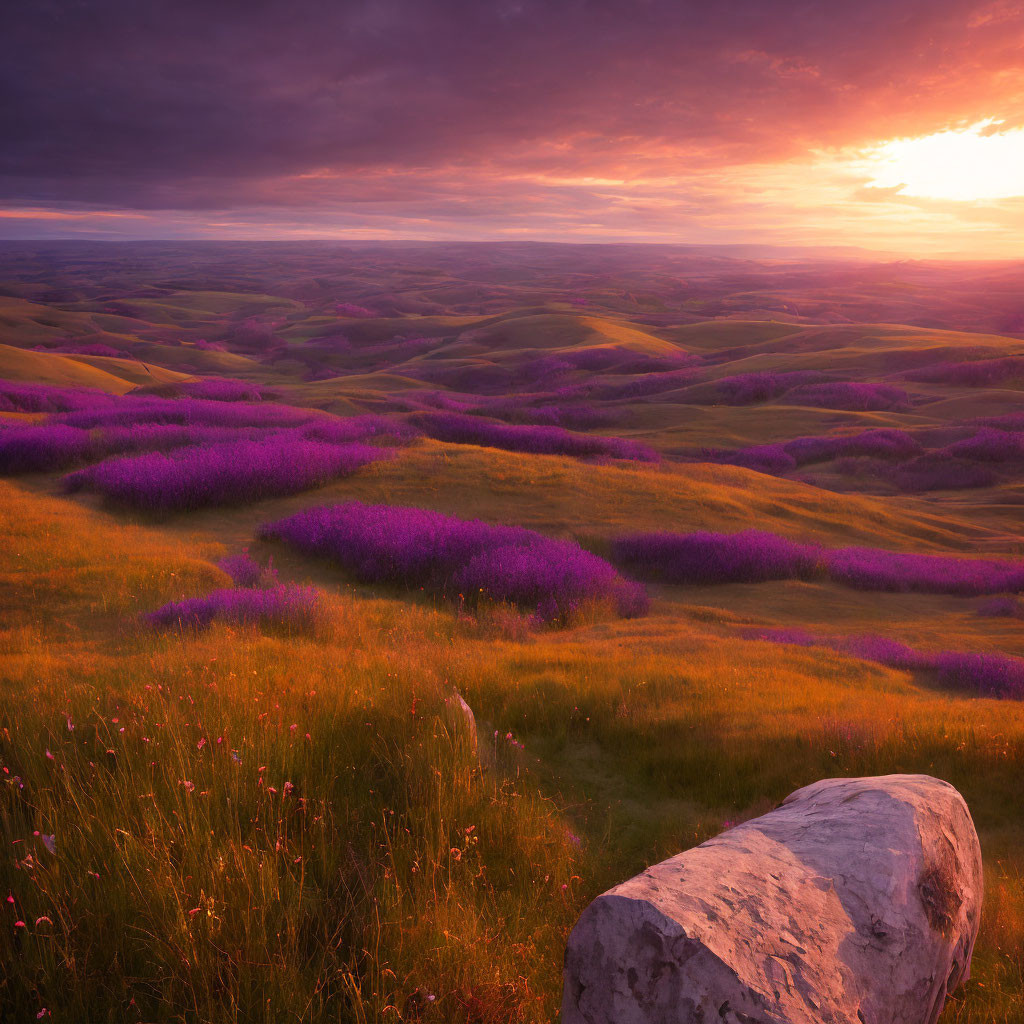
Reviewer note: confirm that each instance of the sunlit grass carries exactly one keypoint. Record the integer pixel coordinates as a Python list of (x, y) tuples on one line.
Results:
[(294, 827)]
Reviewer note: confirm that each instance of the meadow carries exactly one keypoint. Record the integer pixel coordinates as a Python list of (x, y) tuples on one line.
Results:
[(680, 549)]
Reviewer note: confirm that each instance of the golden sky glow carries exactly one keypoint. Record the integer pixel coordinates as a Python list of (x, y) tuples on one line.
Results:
[(975, 163), (954, 191), (895, 125)]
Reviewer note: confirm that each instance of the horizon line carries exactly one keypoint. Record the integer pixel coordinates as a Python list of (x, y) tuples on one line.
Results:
[(855, 251)]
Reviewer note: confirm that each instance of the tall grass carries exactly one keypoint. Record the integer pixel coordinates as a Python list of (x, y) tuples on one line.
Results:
[(295, 827), (991, 675), (285, 606), (235, 826)]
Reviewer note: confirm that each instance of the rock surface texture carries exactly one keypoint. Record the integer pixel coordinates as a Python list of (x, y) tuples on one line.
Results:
[(857, 901)]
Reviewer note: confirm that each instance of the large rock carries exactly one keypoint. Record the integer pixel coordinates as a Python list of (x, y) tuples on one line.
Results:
[(857, 901)]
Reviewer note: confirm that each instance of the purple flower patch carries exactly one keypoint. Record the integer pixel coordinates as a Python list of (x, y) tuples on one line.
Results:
[(219, 474), (988, 675), (751, 556), (287, 605), (459, 429), (457, 559)]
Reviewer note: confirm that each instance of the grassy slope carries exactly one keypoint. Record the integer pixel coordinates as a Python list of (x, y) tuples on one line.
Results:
[(653, 732), (641, 737), (187, 877), (561, 495), (60, 370), (559, 332)]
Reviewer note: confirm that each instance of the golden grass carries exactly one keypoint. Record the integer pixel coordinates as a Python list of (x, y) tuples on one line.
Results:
[(256, 827), (512, 334), (56, 559), (563, 496), (670, 423), (293, 827), (60, 370), (725, 334), (133, 371), (190, 879), (219, 303), (559, 494)]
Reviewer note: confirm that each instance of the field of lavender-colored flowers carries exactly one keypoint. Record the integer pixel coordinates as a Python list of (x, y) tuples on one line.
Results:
[(466, 561), (684, 531)]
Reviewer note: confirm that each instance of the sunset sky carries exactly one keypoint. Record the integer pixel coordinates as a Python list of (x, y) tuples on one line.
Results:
[(891, 124)]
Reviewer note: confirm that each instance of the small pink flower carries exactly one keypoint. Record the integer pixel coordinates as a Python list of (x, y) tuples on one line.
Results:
[(201, 743), (49, 756), (20, 924)]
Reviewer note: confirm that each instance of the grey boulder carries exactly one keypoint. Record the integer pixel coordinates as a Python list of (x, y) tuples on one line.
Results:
[(857, 901)]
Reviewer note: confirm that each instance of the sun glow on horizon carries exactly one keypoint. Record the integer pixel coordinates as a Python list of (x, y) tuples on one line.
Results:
[(975, 163)]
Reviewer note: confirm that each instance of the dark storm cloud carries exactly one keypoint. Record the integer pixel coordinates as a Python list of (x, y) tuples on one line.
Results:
[(173, 104)]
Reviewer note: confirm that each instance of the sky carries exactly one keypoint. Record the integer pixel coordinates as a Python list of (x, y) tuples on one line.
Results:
[(890, 124)]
